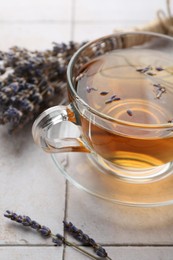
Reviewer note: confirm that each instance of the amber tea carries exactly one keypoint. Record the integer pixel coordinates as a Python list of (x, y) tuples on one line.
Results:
[(134, 87)]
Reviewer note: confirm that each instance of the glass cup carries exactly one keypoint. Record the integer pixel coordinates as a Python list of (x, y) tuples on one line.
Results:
[(120, 110)]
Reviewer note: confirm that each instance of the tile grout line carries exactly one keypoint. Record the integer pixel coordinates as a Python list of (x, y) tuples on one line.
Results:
[(41, 21), (65, 214), (137, 245), (107, 245), (72, 20), (72, 23)]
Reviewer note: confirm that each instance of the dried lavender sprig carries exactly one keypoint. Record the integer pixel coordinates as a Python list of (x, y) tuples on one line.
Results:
[(57, 239), (85, 239)]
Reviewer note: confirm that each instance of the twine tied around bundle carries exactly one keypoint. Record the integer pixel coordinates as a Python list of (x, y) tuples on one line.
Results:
[(163, 24), (166, 21)]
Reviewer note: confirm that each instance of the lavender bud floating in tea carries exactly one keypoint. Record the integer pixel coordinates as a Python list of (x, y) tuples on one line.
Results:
[(108, 101), (57, 239), (129, 112), (112, 98), (143, 70), (104, 93), (149, 70), (115, 99), (159, 68)]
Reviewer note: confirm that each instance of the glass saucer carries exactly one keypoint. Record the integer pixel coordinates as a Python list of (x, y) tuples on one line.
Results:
[(80, 170)]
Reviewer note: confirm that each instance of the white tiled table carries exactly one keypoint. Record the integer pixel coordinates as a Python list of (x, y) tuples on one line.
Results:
[(30, 183)]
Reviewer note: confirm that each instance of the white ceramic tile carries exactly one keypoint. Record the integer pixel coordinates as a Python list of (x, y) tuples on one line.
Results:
[(33, 36), (11, 10), (117, 10), (30, 185), (30, 253), (130, 253), (109, 223), (92, 30)]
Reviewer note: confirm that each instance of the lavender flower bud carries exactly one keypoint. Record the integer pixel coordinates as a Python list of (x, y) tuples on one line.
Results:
[(26, 221), (14, 216), (101, 252), (19, 219), (8, 214), (35, 225), (92, 242), (67, 224), (13, 114), (79, 235), (75, 230), (37, 98), (59, 240), (7, 90), (26, 105), (86, 239), (45, 231), (14, 86)]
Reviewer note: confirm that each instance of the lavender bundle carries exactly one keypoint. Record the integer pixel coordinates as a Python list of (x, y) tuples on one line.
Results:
[(58, 239), (31, 81)]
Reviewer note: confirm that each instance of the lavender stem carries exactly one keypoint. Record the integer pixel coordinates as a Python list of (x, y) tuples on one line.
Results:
[(80, 249)]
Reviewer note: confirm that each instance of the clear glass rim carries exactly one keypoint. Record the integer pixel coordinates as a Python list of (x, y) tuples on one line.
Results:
[(78, 99)]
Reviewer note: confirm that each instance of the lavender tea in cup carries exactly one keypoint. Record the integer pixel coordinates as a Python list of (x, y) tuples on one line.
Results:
[(134, 87)]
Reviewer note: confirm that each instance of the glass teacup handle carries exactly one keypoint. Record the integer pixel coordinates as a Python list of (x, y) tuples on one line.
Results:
[(56, 130)]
